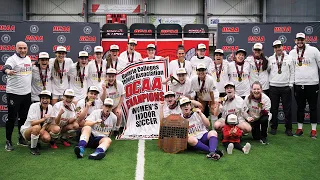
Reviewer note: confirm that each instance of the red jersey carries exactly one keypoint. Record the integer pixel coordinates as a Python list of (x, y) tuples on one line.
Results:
[(228, 136)]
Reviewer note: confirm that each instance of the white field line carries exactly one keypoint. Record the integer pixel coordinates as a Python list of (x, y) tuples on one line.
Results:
[(140, 160)]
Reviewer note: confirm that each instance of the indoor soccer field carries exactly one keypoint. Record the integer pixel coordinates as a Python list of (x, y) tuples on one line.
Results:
[(284, 158)]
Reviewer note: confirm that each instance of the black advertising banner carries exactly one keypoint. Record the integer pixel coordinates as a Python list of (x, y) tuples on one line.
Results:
[(169, 36), (144, 34), (114, 34), (194, 34), (44, 36), (232, 37)]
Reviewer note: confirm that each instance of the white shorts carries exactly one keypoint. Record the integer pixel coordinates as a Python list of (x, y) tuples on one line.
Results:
[(22, 131)]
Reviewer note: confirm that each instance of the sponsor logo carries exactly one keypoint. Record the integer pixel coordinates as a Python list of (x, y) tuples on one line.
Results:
[(282, 38), (33, 57), (61, 39), (33, 38), (196, 31), (142, 31), (87, 30), (287, 48), (230, 48), (66, 46), (2, 88), (230, 39), (256, 30), (282, 29), (61, 29), (87, 39), (230, 29), (7, 28), (4, 78), (7, 48), (308, 30), (34, 29), (5, 118), (4, 98), (5, 38), (312, 39), (169, 31), (5, 57), (3, 108), (34, 48), (255, 39), (87, 48)]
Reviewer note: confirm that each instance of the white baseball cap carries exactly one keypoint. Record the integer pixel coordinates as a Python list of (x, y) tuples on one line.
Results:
[(184, 100), (242, 50), (93, 88), (169, 93), (69, 92), (276, 42), (300, 35), (98, 49), (229, 84), (114, 47), (45, 92), (219, 51), (201, 66), (181, 71), (108, 101), (202, 46), (61, 49), (43, 55), (232, 119), (151, 46), (83, 54), (111, 71), (132, 41), (258, 46)]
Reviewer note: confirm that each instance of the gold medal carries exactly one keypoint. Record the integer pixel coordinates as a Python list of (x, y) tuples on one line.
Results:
[(300, 63), (260, 105), (99, 79), (60, 81), (279, 71), (218, 79), (239, 79), (81, 85), (44, 88), (102, 124)]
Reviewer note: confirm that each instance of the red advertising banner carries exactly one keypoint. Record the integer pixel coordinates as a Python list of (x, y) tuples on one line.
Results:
[(144, 34), (194, 34), (169, 36), (114, 34)]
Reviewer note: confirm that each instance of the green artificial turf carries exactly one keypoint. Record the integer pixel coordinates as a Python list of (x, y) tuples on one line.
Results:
[(284, 158)]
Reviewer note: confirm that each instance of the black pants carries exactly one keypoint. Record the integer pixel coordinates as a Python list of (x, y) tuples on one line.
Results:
[(18, 106), (267, 91), (309, 93), (236, 145), (285, 94), (260, 127)]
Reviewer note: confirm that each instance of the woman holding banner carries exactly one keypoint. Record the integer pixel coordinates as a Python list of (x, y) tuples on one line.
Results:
[(60, 68), (258, 67), (201, 58), (41, 76), (78, 76), (180, 63), (239, 71), (114, 89), (97, 69), (182, 85), (219, 71)]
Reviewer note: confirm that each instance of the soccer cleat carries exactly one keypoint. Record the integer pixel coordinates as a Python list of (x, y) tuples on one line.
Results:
[(22, 142), (273, 131), (288, 132), (219, 152), (230, 148), (53, 145), (313, 134), (213, 155), (264, 141), (65, 142), (246, 148), (97, 155), (78, 150), (8, 146), (115, 133), (34, 151), (299, 132)]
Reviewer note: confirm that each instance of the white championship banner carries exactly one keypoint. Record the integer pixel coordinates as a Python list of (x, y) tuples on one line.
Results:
[(144, 91)]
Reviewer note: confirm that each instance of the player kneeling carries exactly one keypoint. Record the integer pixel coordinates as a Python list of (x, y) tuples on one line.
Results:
[(198, 136), (95, 133), (39, 123)]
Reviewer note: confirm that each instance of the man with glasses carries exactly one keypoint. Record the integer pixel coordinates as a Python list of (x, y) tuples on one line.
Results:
[(18, 68)]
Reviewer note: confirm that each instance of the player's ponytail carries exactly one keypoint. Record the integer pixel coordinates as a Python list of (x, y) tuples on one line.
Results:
[(56, 65)]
